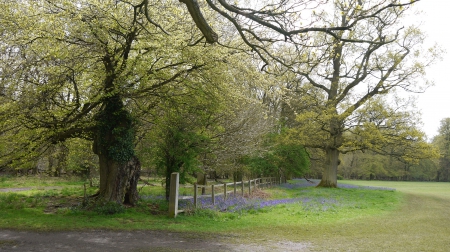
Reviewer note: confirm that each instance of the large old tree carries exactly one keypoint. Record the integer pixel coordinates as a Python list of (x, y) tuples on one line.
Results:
[(339, 81), (89, 69)]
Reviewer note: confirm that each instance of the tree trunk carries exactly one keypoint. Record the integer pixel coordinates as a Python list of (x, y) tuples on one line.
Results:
[(119, 167), (118, 181), (238, 176), (61, 152), (51, 164), (173, 166), (167, 183), (329, 177), (201, 180)]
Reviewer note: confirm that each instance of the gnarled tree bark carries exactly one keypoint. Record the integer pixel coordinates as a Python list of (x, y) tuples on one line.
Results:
[(118, 181)]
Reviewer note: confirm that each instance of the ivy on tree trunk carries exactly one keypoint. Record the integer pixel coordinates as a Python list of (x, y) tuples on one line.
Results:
[(119, 167)]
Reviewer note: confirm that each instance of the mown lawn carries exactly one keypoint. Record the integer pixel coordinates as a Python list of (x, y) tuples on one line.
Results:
[(421, 223)]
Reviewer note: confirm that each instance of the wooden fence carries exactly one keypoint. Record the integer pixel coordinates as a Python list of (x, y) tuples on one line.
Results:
[(216, 190)]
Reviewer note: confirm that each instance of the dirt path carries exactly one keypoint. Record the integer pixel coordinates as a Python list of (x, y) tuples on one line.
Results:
[(15, 189), (29, 188), (78, 241)]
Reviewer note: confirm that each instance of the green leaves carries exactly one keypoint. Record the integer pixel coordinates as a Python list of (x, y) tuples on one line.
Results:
[(334, 95), (115, 127), (281, 158)]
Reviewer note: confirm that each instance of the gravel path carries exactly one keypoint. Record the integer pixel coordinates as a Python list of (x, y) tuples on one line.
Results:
[(78, 241), (74, 241)]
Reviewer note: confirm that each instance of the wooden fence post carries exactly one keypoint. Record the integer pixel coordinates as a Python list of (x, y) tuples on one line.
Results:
[(173, 194), (249, 187), (195, 194), (242, 187), (235, 188), (213, 198), (224, 191)]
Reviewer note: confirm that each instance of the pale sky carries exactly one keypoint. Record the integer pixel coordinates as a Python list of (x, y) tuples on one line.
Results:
[(435, 102)]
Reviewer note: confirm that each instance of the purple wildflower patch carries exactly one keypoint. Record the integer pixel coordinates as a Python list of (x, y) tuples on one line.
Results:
[(240, 204), (231, 204), (365, 187), (303, 183), (299, 183)]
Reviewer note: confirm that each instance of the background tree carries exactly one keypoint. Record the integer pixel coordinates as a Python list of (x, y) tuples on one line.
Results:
[(371, 165), (442, 141), (279, 160), (178, 149), (182, 132), (81, 161), (243, 134), (337, 79)]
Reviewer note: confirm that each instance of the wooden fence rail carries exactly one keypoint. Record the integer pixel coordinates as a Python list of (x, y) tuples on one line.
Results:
[(242, 186)]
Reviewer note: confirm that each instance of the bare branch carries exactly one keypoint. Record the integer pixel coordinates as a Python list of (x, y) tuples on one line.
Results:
[(202, 24)]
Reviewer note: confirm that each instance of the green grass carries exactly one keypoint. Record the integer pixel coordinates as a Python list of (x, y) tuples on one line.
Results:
[(420, 224), (38, 181), (414, 217), (434, 189), (30, 210)]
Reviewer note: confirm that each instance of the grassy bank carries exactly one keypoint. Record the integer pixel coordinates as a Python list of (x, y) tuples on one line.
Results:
[(305, 205), (413, 217)]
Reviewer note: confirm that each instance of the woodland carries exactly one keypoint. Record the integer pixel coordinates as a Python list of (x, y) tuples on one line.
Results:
[(116, 90)]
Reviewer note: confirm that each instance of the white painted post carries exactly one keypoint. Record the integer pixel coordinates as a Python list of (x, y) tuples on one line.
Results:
[(173, 194)]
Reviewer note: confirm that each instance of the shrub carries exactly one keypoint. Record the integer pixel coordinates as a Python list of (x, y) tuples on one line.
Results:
[(108, 208)]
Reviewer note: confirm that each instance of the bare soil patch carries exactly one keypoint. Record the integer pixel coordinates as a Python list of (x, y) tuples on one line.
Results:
[(15, 189)]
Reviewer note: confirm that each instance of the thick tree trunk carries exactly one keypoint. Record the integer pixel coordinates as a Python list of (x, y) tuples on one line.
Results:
[(119, 167), (201, 180), (329, 178), (118, 181)]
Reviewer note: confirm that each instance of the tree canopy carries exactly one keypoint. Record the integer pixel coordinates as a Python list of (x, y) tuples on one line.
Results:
[(442, 142), (189, 75), (336, 84), (90, 69)]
